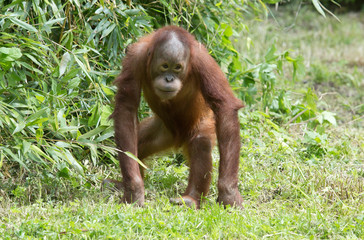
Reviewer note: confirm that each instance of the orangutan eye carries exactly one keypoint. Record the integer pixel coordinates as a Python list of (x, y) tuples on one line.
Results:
[(178, 68), (164, 67)]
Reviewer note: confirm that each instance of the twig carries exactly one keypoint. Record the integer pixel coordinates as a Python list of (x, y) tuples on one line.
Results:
[(295, 117)]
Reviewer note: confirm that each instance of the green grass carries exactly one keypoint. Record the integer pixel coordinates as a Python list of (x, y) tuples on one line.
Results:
[(294, 187), (95, 219)]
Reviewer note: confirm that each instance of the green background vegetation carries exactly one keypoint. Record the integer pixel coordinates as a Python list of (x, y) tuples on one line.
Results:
[(300, 75)]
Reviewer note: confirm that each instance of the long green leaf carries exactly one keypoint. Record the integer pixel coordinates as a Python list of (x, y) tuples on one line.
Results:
[(316, 3), (24, 25), (64, 62), (40, 152), (70, 158), (14, 157), (132, 156), (82, 66), (9, 54), (108, 30), (93, 132), (53, 21)]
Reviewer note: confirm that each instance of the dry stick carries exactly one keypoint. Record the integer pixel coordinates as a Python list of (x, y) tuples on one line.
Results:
[(64, 23), (327, 10), (294, 118)]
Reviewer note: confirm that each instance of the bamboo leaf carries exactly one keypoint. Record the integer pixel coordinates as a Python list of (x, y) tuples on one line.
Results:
[(316, 4), (64, 62), (109, 132), (14, 157), (9, 54), (30, 68), (70, 158), (93, 132), (82, 66), (132, 156), (41, 153), (1, 159), (35, 116), (53, 21), (19, 127), (107, 31), (24, 25)]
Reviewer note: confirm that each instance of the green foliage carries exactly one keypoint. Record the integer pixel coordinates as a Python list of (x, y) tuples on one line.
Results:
[(58, 61)]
